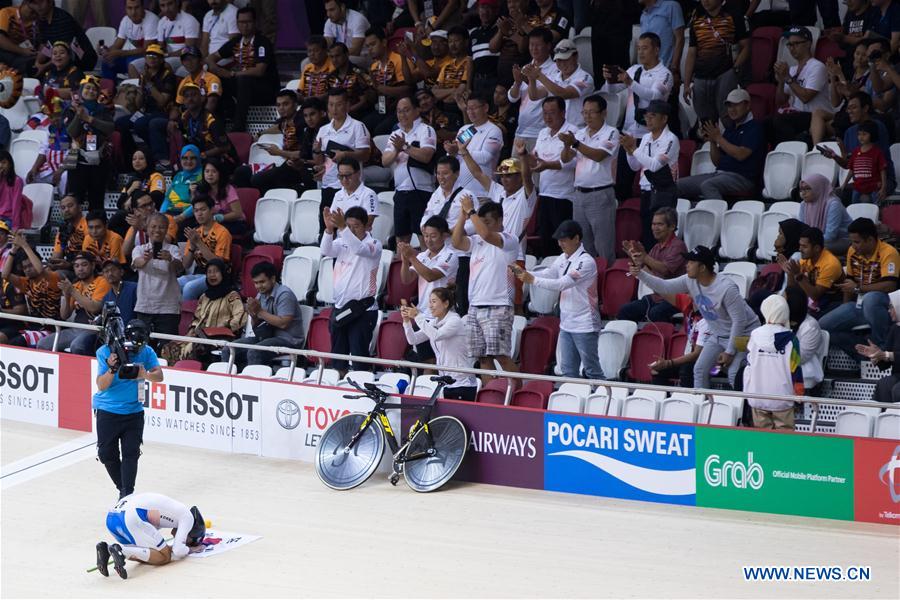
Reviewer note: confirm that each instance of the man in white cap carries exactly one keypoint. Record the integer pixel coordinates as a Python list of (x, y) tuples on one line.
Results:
[(571, 83), (738, 153)]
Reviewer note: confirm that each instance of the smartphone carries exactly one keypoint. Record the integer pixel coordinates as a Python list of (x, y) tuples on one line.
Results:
[(157, 248), (824, 150), (466, 135)]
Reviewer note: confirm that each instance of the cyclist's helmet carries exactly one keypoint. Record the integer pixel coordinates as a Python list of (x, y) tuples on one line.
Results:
[(137, 334), (198, 531)]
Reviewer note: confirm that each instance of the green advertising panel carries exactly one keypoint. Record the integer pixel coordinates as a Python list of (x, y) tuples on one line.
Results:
[(810, 476)]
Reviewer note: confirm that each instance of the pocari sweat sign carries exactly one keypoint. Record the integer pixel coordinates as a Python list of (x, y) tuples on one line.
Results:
[(620, 459)]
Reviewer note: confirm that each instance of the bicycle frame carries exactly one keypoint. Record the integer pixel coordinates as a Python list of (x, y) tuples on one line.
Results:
[(380, 411)]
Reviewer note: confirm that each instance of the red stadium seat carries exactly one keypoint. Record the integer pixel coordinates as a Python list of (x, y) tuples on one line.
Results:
[(394, 317), (676, 345), (188, 307), (686, 149), (248, 197), (826, 48), (537, 349), (397, 290), (762, 99), (241, 141), (647, 346), (551, 323), (602, 265), (237, 261), (620, 263), (529, 399), (270, 253), (391, 344), (763, 50), (618, 289), (628, 227), (663, 328), (319, 336), (190, 365), (890, 216), (631, 203), (539, 386), (487, 396)]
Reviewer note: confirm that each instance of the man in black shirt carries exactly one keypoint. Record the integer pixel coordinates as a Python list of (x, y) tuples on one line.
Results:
[(484, 71), (200, 127), (56, 25), (857, 21), (254, 78)]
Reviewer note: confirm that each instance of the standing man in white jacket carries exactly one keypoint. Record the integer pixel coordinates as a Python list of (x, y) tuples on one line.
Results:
[(357, 257)]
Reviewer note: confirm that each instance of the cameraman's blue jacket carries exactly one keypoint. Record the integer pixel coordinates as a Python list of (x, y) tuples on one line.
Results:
[(121, 397)]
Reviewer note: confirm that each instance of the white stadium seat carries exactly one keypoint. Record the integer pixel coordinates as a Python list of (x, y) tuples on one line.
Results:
[(738, 233), (678, 410), (615, 107), (816, 162), (284, 193), (585, 54), (745, 270), (887, 426), (325, 281), (787, 207), (284, 373), (582, 390), (768, 231), (636, 407), (869, 211), (781, 174), (41, 196), (41, 136), (519, 324), (701, 228), (381, 142), (599, 403), (24, 152), (271, 138), (221, 367), (542, 301), (614, 346), (853, 422), (722, 414), (304, 219), (682, 208), (260, 371), (259, 156), (298, 274), (702, 163), (383, 227), (272, 219), (565, 402)]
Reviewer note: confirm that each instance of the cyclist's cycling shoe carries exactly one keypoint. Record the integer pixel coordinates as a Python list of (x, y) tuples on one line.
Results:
[(103, 558), (118, 560)]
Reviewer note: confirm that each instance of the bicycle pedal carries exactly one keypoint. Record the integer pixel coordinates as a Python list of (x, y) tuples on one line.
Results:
[(394, 478)]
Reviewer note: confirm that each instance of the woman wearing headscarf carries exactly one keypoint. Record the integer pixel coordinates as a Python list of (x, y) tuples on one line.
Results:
[(145, 178), (773, 366), (219, 311), (90, 123), (821, 209), (787, 247), (888, 387), (809, 334), (15, 208), (178, 197)]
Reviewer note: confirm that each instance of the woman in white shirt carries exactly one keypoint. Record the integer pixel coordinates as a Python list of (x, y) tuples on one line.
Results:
[(809, 334), (447, 334)]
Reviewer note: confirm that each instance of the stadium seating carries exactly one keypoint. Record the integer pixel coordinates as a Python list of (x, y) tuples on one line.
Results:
[(396, 289), (41, 196), (272, 254), (299, 274), (391, 339), (272, 219), (189, 365), (768, 231), (24, 152), (614, 346), (678, 410), (259, 371), (702, 163), (566, 402), (854, 422), (221, 367), (188, 307), (636, 407), (703, 223), (628, 227), (647, 346), (763, 50), (537, 349), (619, 288), (325, 281), (782, 171), (304, 220), (869, 211), (241, 142)]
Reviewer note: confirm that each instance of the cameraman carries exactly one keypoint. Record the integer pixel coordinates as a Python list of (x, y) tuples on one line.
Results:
[(118, 409)]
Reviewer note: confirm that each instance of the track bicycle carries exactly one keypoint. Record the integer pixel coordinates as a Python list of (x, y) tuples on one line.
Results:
[(351, 448)]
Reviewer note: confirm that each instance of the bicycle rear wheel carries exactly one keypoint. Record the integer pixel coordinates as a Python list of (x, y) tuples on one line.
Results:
[(343, 470), (450, 443)]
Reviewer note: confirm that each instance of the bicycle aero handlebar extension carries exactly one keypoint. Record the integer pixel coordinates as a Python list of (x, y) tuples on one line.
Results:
[(370, 389)]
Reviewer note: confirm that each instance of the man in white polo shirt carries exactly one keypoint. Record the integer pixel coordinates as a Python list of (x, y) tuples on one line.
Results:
[(219, 26), (345, 25), (342, 137), (557, 178), (484, 145), (526, 87), (353, 192), (409, 154), (573, 84), (646, 81), (595, 147), (446, 202), (176, 30), (137, 26), (515, 193), (434, 267), (357, 257), (490, 318)]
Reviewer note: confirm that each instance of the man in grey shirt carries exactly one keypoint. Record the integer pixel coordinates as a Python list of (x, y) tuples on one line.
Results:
[(158, 265), (719, 300), (275, 316)]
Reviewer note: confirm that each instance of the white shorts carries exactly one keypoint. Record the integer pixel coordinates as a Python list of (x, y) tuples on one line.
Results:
[(131, 526)]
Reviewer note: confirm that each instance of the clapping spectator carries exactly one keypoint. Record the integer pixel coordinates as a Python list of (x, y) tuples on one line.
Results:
[(738, 153), (357, 258), (90, 124), (445, 332), (353, 192), (574, 275), (490, 317), (525, 88), (136, 28), (345, 26), (665, 260), (410, 154), (867, 167), (556, 178), (15, 208), (219, 308), (719, 50), (144, 208), (594, 203), (208, 241), (888, 387), (773, 367), (158, 265), (646, 82), (802, 87), (873, 267), (81, 301), (274, 315), (825, 123), (573, 84), (821, 209), (253, 76), (657, 162), (817, 273), (485, 143), (719, 300)]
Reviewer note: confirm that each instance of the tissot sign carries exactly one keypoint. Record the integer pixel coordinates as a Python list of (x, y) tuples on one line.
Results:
[(29, 386)]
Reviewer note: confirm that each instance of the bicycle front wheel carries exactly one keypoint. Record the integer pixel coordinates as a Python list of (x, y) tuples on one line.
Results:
[(428, 473), (343, 469)]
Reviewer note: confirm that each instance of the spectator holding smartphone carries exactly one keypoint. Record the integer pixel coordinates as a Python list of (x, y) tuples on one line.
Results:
[(867, 167), (158, 265)]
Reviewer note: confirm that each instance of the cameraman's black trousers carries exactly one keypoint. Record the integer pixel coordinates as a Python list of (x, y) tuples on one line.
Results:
[(115, 429)]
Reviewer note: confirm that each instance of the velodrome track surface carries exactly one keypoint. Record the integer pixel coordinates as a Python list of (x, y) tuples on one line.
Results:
[(466, 541)]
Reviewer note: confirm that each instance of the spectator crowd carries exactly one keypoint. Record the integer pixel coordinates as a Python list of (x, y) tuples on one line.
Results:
[(535, 170)]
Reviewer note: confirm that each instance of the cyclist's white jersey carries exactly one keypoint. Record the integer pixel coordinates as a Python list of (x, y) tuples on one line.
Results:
[(129, 521)]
